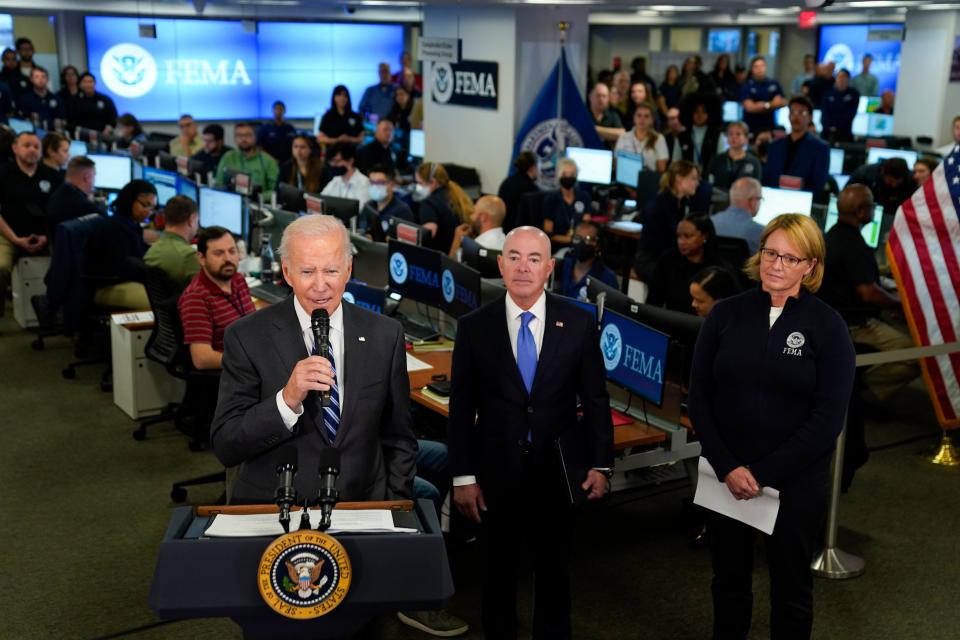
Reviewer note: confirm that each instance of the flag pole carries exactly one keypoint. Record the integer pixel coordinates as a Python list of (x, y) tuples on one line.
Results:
[(557, 130)]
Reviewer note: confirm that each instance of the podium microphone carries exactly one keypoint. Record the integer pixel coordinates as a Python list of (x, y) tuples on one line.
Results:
[(286, 493), (328, 494), (320, 324)]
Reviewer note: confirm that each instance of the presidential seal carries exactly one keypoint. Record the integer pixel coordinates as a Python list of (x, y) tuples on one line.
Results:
[(304, 574)]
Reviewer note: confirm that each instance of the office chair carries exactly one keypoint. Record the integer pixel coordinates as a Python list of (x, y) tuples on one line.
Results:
[(735, 252), (530, 211), (648, 185)]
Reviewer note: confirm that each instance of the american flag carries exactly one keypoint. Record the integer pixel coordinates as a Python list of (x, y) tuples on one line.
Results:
[(924, 252)]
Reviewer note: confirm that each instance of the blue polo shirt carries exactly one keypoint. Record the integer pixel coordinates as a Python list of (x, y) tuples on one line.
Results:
[(760, 91)]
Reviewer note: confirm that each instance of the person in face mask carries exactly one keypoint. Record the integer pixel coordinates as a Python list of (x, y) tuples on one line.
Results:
[(443, 205), (582, 260), (566, 207), (347, 182), (376, 214)]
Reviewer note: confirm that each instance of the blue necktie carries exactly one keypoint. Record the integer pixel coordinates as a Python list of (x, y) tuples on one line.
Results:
[(526, 351), (331, 414)]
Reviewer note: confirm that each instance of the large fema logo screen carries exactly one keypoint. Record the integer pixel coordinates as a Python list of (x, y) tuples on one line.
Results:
[(218, 69), (846, 44)]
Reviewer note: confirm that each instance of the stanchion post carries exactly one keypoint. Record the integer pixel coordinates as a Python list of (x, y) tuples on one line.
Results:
[(832, 562)]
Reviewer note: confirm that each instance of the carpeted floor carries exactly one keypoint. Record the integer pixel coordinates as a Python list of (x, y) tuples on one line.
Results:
[(83, 507)]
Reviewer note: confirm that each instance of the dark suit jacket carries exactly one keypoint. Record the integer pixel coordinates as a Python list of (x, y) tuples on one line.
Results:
[(491, 411), (811, 162), (377, 447)]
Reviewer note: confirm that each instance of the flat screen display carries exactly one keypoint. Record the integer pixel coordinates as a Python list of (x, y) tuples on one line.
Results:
[(879, 154), (594, 166), (634, 355), (869, 231), (113, 172), (836, 161), (778, 201), (165, 182), (222, 209), (414, 272), (846, 44), (459, 287), (417, 143), (363, 295), (732, 111), (629, 166), (723, 40), (77, 148)]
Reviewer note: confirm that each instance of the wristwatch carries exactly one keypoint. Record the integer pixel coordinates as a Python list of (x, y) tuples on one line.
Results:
[(766, 105), (606, 471)]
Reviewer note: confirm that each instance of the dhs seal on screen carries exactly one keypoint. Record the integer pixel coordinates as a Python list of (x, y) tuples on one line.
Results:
[(128, 70), (466, 83)]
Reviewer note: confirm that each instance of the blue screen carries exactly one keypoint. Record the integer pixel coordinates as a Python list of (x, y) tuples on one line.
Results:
[(414, 272), (363, 295), (634, 355), (165, 182), (846, 44), (459, 287), (216, 70)]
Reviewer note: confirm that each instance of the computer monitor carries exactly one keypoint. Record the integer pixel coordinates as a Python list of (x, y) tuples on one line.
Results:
[(417, 143), (783, 118), (78, 148), (414, 272), (363, 295), (868, 104), (879, 154), (480, 258), (634, 355), (459, 287), (629, 166), (836, 161), (583, 304), (165, 182), (405, 231), (879, 125), (841, 180), (113, 172), (869, 231), (19, 125), (346, 209), (289, 197), (777, 201), (594, 166), (860, 124), (613, 298), (369, 260), (166, 161), (732, 111), (223, 209), (187, 187)]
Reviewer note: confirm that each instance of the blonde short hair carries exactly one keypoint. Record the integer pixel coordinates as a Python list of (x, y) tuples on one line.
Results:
[(805, 235), (315, 225), (563, 163)]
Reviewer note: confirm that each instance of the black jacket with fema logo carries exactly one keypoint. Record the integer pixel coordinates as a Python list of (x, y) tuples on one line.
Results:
[(771, 398)]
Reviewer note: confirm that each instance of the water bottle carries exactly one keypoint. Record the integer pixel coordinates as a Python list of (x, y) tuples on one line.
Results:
[(266, 260)]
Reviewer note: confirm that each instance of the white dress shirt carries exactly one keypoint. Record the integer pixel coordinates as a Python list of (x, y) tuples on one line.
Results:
[(514, 322), (492, 239), (290, 416), (356, 188)]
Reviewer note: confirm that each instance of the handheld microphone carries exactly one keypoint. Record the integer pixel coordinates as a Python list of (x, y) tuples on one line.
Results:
[(286, 493), (328, 494), (320, 324)]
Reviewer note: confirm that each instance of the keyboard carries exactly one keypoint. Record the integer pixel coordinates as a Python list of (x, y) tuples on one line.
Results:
[(416, 331), (271, 293)]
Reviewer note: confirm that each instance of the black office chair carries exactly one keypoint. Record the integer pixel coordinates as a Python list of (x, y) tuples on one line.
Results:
[(648, 185), (735, 252), (530, 212)]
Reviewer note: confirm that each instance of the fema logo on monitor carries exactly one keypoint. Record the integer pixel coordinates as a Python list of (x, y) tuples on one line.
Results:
[(128, 70), (442, 82), (448, 285), (349, 297), (611, 345), (398, 268), (841, 55)]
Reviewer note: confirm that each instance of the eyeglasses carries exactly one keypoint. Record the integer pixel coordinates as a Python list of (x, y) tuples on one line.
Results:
[(790, 262), (149, 205)]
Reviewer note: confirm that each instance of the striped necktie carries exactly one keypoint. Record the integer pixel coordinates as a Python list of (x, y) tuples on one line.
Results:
[(331, 414)]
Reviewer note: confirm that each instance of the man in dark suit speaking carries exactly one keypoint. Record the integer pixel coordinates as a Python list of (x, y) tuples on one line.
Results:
[(268, 389), (519, 366)]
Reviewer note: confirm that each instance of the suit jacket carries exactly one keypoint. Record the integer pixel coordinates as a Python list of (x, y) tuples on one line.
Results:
[(811, 162), (377, 447), (491, 411)]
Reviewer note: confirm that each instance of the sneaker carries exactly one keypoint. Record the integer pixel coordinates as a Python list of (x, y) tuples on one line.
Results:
[(437, 623)]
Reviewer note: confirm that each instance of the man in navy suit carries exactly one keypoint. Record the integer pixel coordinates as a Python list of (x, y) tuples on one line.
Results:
[(800, 155), (519, 367)]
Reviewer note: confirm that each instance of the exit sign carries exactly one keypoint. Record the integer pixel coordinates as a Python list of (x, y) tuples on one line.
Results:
[(808, 19)]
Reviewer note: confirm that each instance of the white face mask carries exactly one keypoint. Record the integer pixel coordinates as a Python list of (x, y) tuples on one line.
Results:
[(421, 192), (378, 192)]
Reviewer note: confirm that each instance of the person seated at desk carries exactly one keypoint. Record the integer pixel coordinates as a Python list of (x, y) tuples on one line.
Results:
[(840, 108), (566, 207), (72, 199), (188, 142), (523, 180), (709, 286), (736, 221), (851, 285), (486, 226), (889, 181), (250, 159), (56, 151), (340, 123), (737, 162), (644, 140), (799, 155), (663, 213), (115, 249), (695, 250), (444, 205), (304, 170), (216, 297), (347, 181), (383, 205), (276, 136), (173, 252), (380, 150), (583, 259), (213, 148)]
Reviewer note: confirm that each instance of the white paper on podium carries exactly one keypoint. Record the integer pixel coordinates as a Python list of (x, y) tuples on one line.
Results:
[(760, 512), (266, 524), (415, 364)]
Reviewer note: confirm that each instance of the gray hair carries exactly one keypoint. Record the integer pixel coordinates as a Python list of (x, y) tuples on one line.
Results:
[(563, 163), (315, 225), (744, 189)]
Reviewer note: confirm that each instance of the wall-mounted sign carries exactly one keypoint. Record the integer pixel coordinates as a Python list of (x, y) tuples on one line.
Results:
[(468, 83), (440, 49)]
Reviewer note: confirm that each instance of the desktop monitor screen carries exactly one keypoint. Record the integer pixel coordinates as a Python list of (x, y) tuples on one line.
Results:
[(363, 295), (78, 148), (879, 125), (223, 209), (869, 231), (414, 272), (629, 166), (165, 182), (860, 123), (879, 154), (113, 172), (417, 143), (634, 355), (187, 187), (459, 287), (480, 258), (777, 201), (868, 104), (345, 209), (732, 111), (583, 304), (841, 180), (836, 161), (20, 125), (594, 166)]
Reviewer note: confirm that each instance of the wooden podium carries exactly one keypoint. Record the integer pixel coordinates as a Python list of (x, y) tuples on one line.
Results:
[(198, 577)]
